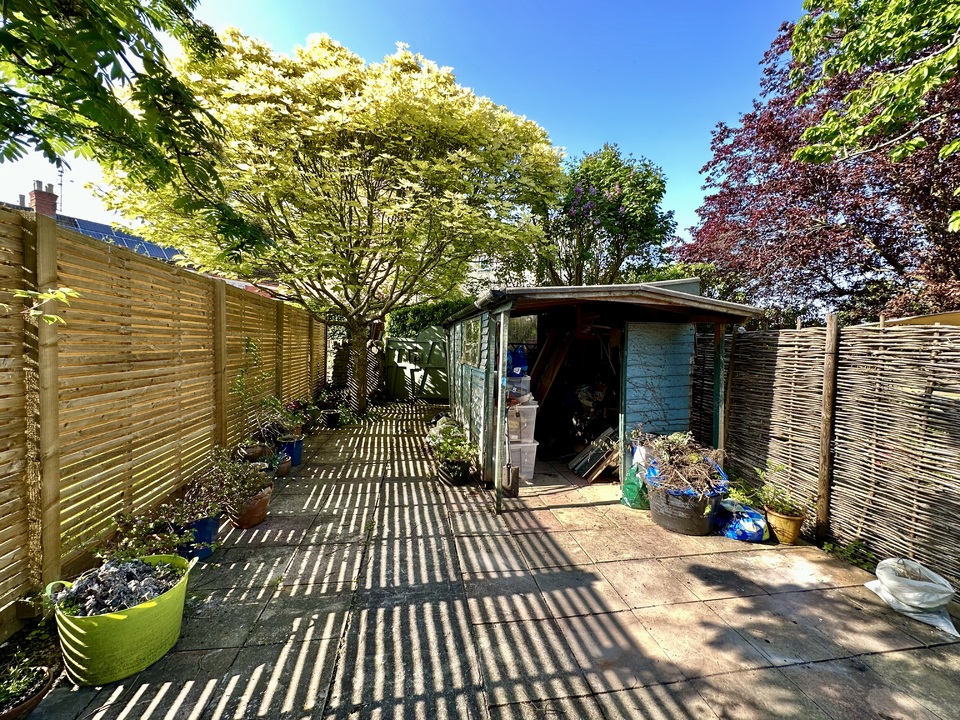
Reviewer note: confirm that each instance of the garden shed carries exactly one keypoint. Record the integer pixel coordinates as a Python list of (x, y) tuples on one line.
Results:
[(602, 360)]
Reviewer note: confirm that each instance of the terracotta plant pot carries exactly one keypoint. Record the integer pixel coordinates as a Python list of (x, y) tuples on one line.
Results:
[(255, 511), (786, 528), (252, 452), (284, 467), (28, 704)]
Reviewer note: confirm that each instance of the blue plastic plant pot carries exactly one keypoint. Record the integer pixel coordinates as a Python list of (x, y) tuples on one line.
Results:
[(293, 448), (204, 533)]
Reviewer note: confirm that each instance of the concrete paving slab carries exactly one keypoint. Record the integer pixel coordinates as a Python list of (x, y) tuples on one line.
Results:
[(756, 695), (328, 498), (711, 577), (851, 690), (869, 603), (476, 521), (324, 566), (466, 498), (408, 563), (350, 456), (415, 520), (610, 544), (644, 583), (577, 591), (348, 525), (504, 597), (242, 567), (178, 686), (520, 521), (616, 652), (579, 518), (275, 530), (675, 701), (557, 495), (489, 553), (219, 619), (411, 492), (698, 641), (771, 624), (580, 708), (407, 660), (551, 550), (285, 681), (313, 475), (412, 468), (526, 661), (929, 675), (302, 613)]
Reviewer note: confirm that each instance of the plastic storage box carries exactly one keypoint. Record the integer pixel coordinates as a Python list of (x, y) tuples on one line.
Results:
[(523, 455), (521, 421), (518, 386)]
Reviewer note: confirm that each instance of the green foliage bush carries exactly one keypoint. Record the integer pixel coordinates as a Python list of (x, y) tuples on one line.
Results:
[(410, 321)]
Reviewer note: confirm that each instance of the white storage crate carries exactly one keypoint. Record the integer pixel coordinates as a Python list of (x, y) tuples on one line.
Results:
[(523, 455), (518, 386), (521, 421)]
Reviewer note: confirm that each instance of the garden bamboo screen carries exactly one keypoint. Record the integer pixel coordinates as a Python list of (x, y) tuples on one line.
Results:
[(896, 439), (117, 408)]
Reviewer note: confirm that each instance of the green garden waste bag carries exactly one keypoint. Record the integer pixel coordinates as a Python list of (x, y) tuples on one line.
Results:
[(635, 490)]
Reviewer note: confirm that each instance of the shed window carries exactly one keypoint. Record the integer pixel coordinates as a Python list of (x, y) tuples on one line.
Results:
[(471, 343)]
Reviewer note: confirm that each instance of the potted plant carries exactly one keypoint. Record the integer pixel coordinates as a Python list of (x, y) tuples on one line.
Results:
[(280, 464), (684, 482), (291, 445), (785, 514), (121, 617), (246, 490), (22, 687), (454, 452)]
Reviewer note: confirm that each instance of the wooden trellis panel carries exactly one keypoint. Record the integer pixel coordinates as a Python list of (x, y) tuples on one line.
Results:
[(296, 354)]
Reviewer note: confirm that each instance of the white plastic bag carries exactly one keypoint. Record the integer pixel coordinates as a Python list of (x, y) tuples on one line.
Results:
[(913, 590)]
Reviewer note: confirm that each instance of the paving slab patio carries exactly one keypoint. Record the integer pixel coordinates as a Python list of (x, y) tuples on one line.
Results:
[(371, 591)]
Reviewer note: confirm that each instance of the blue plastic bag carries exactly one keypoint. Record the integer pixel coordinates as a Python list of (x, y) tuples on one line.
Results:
[(741, 522)]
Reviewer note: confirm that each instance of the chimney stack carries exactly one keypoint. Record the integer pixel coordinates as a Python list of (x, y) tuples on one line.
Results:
[(44, 202)]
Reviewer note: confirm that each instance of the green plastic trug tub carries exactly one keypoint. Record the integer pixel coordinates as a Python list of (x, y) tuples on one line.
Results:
[(101, 649)]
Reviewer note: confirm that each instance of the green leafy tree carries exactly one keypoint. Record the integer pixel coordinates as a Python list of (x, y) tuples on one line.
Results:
[(375, 184), (907, 51), (604, 224)]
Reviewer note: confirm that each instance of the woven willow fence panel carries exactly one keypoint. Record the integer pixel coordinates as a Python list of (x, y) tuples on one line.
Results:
[(127, 389), (897, 444), (15, 529), (775, 408)]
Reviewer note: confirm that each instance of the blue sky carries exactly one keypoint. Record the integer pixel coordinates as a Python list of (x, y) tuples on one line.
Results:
[(653, 77)]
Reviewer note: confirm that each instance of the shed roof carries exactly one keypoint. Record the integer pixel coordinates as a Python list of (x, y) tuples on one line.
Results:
[(665, 296)]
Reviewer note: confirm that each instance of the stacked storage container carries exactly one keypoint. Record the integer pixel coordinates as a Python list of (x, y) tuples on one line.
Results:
[(521, 423)]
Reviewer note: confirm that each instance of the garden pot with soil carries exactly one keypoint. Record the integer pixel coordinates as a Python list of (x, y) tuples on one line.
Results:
[(786, 528), (20, 707), (292, 445), (254, 511), (205, 532), (454, 473), (283, 467), (785, 514), (105, 646)]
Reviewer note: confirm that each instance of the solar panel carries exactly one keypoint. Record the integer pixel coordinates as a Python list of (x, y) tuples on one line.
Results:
[(121, 238)]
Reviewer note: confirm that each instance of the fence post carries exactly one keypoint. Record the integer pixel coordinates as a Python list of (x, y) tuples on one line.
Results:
[(40, 257), (278, 365), (220, 389), (719, 396), (825, 477)]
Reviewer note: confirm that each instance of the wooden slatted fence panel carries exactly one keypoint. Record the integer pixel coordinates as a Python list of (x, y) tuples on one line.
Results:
[(897, 444), (249, 318), (319, 350), (296, 354), (16, 567), (775, 407), (135, 383)]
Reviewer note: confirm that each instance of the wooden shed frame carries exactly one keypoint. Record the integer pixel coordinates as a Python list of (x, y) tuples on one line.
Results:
[(478, 389)]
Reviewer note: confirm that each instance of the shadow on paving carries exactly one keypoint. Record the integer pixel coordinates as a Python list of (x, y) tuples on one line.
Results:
[(373, 592)]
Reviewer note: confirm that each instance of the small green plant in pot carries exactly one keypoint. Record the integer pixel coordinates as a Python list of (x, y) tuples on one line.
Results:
[(246, 489), (454, 452), (22, 686), (785, 514)]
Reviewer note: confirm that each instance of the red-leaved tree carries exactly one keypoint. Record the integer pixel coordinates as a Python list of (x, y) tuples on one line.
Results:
[(864, 236)]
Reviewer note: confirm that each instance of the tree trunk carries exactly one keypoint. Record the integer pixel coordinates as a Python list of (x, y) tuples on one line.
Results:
[(357, 384)]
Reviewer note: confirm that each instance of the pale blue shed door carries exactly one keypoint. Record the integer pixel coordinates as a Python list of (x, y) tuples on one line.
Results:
[(657, 377)]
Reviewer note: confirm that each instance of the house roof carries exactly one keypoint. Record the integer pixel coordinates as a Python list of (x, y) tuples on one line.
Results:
[(674, 297)]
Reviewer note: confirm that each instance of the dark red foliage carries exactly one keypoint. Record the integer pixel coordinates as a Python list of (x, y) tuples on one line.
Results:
[(863, 236)]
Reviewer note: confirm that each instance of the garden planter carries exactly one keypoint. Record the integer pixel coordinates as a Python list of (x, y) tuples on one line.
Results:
[(786, 528), (101, 649), (204, 533), (292, 446), (330, 419), (679, 513), (454, 473), (26, 706), (284, 467), (253, 452), (255, 511)]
